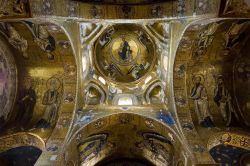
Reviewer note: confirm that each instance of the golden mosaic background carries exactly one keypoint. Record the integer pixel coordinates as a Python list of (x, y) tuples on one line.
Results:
[(124, 82)]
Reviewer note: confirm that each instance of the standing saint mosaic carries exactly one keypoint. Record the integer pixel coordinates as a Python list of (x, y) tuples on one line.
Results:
[(26, 103), (223, 100), (51, 101), (199, 95)]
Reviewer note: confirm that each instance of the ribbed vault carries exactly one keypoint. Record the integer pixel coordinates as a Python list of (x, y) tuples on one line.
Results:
[(125, 135)]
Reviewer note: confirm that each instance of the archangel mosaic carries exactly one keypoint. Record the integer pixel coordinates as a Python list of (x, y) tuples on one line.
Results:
[(124, 82)]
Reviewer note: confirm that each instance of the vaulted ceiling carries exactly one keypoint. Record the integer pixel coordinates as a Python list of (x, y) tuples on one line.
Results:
[(163, 82)]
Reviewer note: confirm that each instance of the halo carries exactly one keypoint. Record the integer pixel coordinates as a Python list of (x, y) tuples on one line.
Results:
[(29, 78), (57, 82), (220, 76), (198, 75)]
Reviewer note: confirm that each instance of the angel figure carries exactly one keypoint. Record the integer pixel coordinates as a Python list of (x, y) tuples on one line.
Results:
[(16, 40), (43, 38), (234, 35)]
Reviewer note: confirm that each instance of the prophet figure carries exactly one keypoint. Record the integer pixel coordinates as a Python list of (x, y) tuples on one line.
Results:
[(156, 11), (26, 102), (51, 103), (223, 100), (199, 95), (112, 69), (19, 6), (137, 69), (126, 11)]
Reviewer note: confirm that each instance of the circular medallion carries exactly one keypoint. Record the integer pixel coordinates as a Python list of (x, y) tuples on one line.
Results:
[(124, 53), (7, 82), (124, 50)]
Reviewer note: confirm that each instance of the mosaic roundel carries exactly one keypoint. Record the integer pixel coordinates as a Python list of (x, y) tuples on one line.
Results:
[(7, 83), (124, 53)]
